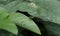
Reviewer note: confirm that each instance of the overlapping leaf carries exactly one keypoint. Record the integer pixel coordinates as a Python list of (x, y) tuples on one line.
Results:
[(48, 10), (24, 22)]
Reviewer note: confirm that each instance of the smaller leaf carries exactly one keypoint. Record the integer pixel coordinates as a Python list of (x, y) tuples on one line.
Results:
[(11, 27)]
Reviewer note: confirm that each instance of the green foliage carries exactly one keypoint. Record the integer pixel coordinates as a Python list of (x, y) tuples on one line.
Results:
[(48, 10), (9, 22)]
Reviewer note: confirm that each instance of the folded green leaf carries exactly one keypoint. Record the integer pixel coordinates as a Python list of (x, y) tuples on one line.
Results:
[(24, 22)]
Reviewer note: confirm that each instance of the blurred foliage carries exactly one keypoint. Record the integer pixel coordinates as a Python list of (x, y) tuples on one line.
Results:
[(48, 11)]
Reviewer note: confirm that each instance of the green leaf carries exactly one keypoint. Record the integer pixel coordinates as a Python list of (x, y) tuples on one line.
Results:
[(31, 8), (5, 23), (5, 2), (11, 27), (49, 10), (24, 22), (12, 5)]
